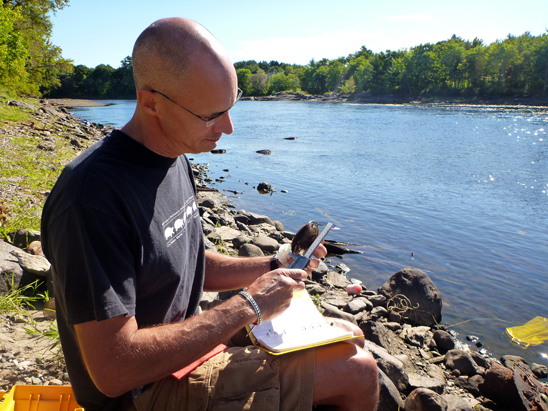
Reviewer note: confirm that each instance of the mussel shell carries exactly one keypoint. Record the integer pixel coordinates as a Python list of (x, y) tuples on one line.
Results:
[(304, 238)]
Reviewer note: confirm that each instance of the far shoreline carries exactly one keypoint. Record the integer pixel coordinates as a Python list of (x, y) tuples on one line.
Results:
[(360, 98)]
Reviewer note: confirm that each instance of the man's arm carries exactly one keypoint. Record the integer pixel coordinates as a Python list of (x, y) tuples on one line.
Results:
[(120, 357), (224, 272)]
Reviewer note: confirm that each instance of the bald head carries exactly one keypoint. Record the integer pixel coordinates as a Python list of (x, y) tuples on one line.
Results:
[(170, 50)]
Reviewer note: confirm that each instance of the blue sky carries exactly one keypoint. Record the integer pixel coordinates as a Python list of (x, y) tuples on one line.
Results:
[(93, 32)]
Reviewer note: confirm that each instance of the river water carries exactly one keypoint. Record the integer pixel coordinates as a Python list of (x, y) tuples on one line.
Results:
[(460, 192)]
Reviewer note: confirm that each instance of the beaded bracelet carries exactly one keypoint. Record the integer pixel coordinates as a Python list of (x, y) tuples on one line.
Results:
[(253, 304)]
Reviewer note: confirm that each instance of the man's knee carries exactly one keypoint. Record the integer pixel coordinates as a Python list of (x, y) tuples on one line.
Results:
[(356, 371)]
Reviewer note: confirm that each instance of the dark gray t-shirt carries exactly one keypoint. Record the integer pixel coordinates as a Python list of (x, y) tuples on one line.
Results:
[(122, 231)]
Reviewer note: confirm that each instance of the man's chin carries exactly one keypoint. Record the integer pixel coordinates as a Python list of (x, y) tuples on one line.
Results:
[(210, 145)]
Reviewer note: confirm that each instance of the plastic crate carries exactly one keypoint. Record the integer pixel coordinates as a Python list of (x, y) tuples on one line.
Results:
[(39, 398)]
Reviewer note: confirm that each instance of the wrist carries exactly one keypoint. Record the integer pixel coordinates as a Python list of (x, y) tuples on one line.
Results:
[(254, 305), (274, 262)]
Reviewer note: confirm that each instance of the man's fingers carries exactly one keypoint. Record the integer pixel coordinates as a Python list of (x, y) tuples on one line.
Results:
[(320, 251), (297, 275)]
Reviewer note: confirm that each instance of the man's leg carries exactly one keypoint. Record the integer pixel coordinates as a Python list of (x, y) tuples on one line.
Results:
[(346, 378)]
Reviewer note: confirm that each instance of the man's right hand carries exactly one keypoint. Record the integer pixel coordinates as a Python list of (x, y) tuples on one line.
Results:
[(273, 291)]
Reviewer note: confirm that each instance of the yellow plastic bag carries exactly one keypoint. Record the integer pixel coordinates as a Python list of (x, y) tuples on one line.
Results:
[(534, 332)]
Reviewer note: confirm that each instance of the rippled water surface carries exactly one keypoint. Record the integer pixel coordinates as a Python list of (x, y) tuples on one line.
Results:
[(460, 192)]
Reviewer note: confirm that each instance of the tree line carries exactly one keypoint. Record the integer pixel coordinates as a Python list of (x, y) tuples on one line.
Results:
[(516, 66)]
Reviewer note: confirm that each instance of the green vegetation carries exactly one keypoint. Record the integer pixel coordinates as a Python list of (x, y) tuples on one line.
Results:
[(515, 66), (28, 171), (21, 299), (29, 63)]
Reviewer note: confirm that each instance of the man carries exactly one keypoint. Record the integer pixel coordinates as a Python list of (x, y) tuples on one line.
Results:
[(123, 234)]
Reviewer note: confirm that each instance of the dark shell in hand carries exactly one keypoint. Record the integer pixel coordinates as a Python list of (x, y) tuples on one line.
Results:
[(304, 238)]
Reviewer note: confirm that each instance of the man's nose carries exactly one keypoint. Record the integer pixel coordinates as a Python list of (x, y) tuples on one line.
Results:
[(224, 125)]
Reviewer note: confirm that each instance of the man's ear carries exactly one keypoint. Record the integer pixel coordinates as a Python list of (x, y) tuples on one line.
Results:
[(147, 100)]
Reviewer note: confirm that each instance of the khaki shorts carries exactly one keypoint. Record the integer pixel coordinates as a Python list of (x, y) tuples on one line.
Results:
[(240, 378)]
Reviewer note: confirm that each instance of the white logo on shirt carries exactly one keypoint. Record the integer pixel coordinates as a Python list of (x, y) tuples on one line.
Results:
[(175, 225)]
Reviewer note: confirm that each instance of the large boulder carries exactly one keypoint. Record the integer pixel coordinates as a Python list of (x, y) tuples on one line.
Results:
[(412, 293)]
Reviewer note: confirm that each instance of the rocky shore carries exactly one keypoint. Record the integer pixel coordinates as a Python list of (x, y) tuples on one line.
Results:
[(422, 366), (369, 98)]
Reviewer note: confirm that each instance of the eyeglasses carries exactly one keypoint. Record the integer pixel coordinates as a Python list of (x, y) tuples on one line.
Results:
[(209, 121)]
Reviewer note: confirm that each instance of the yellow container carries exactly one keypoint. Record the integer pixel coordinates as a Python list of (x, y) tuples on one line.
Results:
[(39, 398)]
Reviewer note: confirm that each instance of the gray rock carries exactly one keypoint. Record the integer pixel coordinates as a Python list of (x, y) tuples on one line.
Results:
[(376, 332), (470, 384), (417, 336), (250, 250), (209, 245), (540, 371), (423, 381), (389, 396), (332, 311), (393, 326), (258, 219), (279, 225), (390, 365), (460, 360), (457, 403), (405, 360), (239, 241), (207, 202), (243, 228), (241, 218), (10, 270), (336, 279), (394, 317), (424, 297), (435, 371), (337, 298), (21, 104), (267, 244), (379, 312), (377, 300), (314, 288), (264, 187), (510, 361), (444, 341), (21, 238), (481, 360), (223, 234), (357, 305), (423, 399), (34, 264), (319, 272)]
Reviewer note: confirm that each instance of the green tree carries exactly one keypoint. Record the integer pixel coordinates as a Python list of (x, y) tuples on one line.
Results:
[(14, 54), (259, 83), (250, 65), (44, 63), (282, 82), (243, 80), (122, 84)]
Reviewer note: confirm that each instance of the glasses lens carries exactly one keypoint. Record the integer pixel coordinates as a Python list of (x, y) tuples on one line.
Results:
[(214, 120)]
